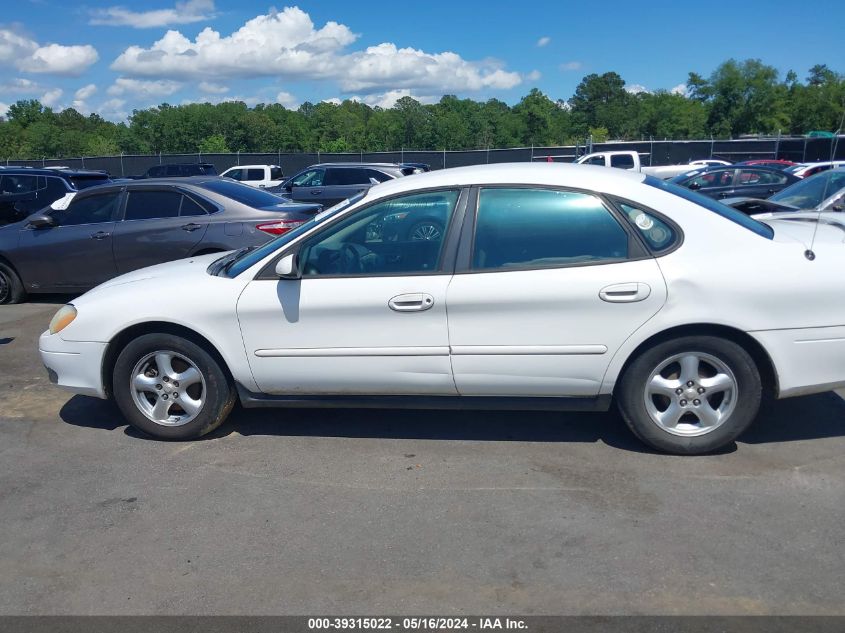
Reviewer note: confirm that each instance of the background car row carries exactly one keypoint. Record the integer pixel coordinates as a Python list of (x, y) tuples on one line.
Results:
[(109, 230)]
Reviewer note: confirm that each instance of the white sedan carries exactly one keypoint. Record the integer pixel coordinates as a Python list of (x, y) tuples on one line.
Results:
[(550, 287)]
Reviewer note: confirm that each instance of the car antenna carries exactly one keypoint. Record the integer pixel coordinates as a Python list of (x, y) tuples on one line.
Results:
[(809, 253)]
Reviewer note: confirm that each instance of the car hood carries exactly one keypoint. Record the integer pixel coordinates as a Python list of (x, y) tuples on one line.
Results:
[(181, 269)]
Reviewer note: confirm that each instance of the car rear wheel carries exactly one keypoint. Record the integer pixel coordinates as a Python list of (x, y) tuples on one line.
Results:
[(170, 387), (691, 395), (11, 288)]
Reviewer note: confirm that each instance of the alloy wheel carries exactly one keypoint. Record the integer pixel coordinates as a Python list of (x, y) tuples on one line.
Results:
[(168, 388), (691, 394)]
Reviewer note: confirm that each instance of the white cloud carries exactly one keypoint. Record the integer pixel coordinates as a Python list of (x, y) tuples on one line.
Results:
[(81, 96), (680, 89), (544, 41), (60, 60), (143, 88), (4, 108), (85, 92), (21, 85), (286, 44), (287, 99), (571, 66), (209, 87), (27, 54), (182, 13), (384, 100), (636, 89), (51, 98), (534, 75), (113, 110)]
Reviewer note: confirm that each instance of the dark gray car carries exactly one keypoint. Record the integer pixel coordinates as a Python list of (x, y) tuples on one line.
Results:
[(112, 229), (330, 183)]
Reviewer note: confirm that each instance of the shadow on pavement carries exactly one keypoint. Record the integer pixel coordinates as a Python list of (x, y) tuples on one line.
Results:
[(809, 417)]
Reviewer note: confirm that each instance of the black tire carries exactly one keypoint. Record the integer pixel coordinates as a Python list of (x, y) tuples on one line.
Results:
[(11, 287), (217, 390), (422, 226), (746, 395)]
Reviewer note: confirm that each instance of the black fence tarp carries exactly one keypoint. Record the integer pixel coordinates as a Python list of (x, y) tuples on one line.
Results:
[(651, 153)]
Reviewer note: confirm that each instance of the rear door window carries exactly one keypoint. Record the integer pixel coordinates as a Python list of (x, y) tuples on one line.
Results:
[(347, 176), (760, 177), (622, 161), (190, 207), (254, 174), (147, 205), (380, 176), (544, 228)]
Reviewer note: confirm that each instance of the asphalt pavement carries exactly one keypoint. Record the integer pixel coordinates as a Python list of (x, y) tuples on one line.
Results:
[(406, 512)]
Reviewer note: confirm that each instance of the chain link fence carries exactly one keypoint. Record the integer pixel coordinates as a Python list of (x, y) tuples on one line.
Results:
[(651, 152)]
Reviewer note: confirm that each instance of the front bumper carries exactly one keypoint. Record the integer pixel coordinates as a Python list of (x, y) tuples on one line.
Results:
[(73, 365)]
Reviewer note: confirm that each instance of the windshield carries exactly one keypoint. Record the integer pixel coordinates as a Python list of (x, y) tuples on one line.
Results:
[(737, 217), (810, 193), (248, 259), (250, 196)]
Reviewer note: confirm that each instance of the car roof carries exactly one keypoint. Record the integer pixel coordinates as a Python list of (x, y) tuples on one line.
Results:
[(196, 181), (37, 171), (250, 166), (390, 165), (591, 177)]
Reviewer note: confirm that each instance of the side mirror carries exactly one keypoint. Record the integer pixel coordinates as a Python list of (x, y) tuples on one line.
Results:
[(288, 267), (288, 187), (41, 221)]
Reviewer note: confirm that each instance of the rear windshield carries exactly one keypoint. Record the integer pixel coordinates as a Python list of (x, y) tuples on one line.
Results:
[(83, 182), (729, 213), (250, 196)]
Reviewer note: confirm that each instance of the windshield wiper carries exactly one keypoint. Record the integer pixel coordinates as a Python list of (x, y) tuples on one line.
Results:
[(235, 257)]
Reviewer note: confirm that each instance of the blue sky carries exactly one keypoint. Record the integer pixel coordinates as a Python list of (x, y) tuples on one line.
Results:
[(110, 56)]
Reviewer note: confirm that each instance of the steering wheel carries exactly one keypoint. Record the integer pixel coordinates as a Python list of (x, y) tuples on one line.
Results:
[(350, 258)]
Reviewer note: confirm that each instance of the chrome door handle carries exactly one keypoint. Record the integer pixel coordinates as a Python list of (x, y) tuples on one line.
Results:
[(191, 226), (317, 192), (99, 235), (411, 302), (625, 293)]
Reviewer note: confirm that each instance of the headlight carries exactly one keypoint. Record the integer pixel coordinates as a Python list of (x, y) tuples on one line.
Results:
[(63, 318)]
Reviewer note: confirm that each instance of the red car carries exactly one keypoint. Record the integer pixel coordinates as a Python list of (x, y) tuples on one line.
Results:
[(774, 163)]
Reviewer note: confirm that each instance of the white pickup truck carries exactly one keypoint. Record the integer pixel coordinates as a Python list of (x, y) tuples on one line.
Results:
[(631, 160), (256, 175)]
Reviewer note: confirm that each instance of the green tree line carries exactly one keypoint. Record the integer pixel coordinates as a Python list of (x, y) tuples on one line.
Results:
[(739, 97)]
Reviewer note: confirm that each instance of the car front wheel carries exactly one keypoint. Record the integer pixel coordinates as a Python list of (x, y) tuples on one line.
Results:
[(11, 288), (690, 395), (170, 387)]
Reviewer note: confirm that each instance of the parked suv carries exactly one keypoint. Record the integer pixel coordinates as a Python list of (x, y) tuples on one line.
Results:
[(181, 170), (256, 175), (106, 231), (24, 190), (329, 183)]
